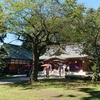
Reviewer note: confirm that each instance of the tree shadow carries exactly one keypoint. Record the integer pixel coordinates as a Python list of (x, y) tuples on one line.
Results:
[(42, 83), (94, 95), (55, 82), (58, 96), (71, 96)]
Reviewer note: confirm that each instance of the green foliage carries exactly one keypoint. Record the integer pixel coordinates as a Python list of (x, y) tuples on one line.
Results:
[(2, 25), (2, 64), (94, 67), (1, 21), (61, 19), (91, 43)]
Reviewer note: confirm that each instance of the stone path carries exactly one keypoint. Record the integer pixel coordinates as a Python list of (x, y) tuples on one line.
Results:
[(20, 78)]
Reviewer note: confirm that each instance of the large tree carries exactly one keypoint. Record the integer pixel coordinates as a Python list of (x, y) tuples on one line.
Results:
[(91, 42), (42, 23)]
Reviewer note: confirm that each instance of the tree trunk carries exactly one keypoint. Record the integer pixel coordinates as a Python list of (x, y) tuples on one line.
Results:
[(35, 66), (97, 71)]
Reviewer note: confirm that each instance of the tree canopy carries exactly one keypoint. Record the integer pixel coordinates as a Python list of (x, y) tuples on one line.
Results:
[(91, 32), (2, 25), (45, 22)]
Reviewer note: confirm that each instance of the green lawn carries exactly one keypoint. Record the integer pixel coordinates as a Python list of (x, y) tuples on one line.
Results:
[(51, 89)]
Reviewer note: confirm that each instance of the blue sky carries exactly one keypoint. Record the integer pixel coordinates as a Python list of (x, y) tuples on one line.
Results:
[(90, 3), (12, 39)]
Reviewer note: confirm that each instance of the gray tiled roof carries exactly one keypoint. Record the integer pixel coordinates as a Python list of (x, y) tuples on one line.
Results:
[(68, 51), (16, 52)]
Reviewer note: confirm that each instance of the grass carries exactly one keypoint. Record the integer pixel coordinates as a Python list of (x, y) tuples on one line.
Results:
[(51, 89)]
